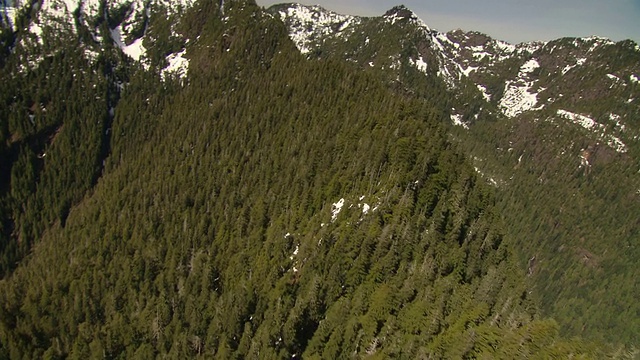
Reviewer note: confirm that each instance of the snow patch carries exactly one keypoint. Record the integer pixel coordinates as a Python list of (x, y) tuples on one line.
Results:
[(135, 50), (489, 179), (420, 64), (567, 68), (468, 70), (618, 120), (634, 79), (517, 96), (391, 19), (178, 65), (613, 77), (584, 121), (484, 92), (457, 120), (529, 66), (481, 55), (336, 208)]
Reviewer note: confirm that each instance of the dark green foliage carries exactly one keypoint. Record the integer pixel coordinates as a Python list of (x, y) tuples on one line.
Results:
[(210, 229), (573, 227)]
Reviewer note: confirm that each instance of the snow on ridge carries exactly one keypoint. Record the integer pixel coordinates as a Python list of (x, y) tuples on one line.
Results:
[(445, 74), (584, 121), (447, 61), (60, 15), (36, 29), (591, 125), (393, 17), (530, 47), (505, 46), (60, 9), (443, 38), (616, 144), (517, 99), (137, 8), (309, 22), (597, 41)]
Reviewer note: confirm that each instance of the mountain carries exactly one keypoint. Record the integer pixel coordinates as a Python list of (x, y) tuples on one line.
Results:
[(198, 180), (554, 126)]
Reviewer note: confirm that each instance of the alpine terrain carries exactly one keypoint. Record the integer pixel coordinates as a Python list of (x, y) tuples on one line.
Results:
[(212, 179)]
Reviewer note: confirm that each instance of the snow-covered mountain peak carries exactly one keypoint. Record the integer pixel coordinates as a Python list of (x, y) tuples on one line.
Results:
[(309, 23), (54, 21), (402, 13)]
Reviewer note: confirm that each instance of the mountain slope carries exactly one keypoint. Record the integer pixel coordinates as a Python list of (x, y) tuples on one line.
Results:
[(233, 212), (554, 126), (51, 154)]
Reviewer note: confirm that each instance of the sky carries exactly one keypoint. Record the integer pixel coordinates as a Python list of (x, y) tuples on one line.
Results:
[(513, 21)]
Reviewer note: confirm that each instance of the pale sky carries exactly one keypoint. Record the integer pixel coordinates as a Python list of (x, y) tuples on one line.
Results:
[(510, 20)]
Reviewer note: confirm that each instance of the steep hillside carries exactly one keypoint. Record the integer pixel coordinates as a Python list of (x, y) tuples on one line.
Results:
[(207, 202), (554, 126), (62, 64)]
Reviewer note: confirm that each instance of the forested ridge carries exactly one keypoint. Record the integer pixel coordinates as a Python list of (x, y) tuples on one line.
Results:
[(553, 126), (265, 206)]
